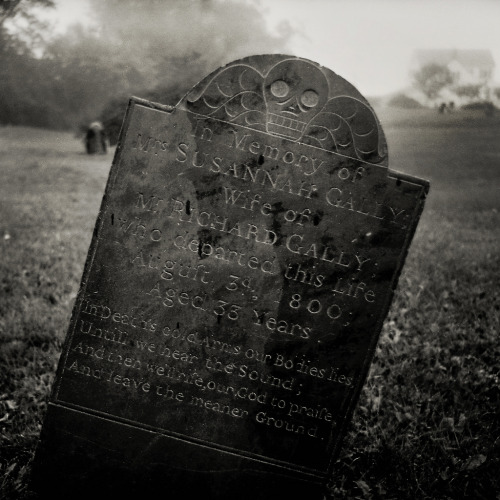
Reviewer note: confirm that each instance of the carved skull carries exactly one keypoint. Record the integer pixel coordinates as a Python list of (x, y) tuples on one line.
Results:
[(295, 91)]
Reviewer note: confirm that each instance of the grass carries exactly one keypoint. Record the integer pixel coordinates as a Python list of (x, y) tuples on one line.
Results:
[(50, 194), (427, 425)]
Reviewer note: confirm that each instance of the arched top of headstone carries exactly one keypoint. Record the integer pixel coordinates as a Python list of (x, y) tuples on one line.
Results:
[(294, 98)]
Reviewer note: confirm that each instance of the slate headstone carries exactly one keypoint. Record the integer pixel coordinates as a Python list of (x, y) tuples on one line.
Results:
[(243, 261)]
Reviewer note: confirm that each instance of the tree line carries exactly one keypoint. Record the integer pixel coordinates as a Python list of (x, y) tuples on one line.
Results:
[(155, 50)]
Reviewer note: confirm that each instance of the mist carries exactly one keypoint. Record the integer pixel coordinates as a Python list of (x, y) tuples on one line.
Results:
[(177, 41), (152, 49)]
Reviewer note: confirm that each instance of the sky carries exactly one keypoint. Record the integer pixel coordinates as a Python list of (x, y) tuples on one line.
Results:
[(368, 42)]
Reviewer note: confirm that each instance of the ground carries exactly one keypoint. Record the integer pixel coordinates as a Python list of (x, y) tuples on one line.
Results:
[(427, 424)]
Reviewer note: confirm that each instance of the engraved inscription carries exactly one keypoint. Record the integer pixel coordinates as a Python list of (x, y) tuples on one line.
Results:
[(178, 242), (237, 268)]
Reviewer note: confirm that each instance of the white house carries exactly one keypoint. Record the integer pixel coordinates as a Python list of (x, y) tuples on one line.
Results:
[(471, 69)]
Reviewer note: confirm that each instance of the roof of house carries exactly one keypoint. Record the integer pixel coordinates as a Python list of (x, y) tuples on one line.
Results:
[(481, 59)]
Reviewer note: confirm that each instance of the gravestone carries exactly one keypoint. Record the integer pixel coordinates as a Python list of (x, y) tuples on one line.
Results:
[(243, 261), (95, 139)]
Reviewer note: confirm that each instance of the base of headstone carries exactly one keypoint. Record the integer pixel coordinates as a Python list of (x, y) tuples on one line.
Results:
[(123, 461)]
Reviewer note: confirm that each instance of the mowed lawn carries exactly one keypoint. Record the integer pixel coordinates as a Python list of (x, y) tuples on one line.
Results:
[(428, 422)]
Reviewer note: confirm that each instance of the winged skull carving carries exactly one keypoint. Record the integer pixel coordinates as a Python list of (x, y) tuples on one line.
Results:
[(291, 100)]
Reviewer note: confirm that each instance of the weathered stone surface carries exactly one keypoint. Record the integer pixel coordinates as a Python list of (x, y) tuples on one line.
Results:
[(243, 262)]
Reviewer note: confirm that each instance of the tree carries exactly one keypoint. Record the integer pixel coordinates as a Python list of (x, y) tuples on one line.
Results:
[(432, 78), (134, 47), (10, 9), (470, 91), (21, 73)]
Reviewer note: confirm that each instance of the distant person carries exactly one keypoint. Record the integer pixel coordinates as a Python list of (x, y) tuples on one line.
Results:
[(442, 108), (95, 139), (451, 106)]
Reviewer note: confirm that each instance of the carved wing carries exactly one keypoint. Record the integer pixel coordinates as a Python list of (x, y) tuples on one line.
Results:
[(347, 126), (234, 94)]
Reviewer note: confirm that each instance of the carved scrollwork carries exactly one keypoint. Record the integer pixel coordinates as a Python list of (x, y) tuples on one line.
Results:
[(295, 99)]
